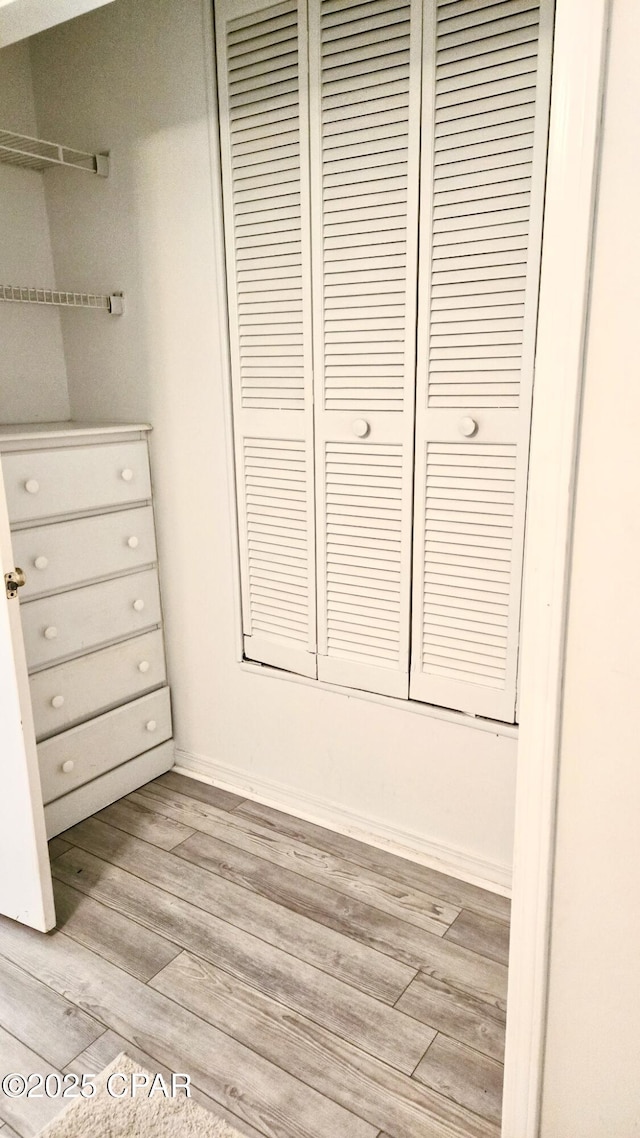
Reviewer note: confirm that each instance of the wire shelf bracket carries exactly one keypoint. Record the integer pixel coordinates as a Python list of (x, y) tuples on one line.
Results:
[(37, 154), (112, 303)]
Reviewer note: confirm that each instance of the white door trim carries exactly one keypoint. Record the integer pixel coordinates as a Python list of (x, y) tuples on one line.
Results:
[(576, 104)]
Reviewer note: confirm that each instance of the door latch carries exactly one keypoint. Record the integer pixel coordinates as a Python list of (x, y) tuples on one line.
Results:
[(14, 581)]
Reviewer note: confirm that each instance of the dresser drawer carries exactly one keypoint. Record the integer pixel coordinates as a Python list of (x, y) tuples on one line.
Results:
[(65, 554), (68, 693), (81, 754), (83, 619), (47, 483)]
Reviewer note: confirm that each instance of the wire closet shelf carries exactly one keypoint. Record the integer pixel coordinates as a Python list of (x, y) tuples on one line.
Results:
[(38, 154), (113, 303)]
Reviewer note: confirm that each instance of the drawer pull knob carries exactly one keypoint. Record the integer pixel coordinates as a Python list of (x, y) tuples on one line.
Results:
[(360, 428), (41, 562), (138, 605), (132, 542), (57, 701), (32, 486), (51, 632), (126, 474), (143, 666), (151, 725), (68, 766)]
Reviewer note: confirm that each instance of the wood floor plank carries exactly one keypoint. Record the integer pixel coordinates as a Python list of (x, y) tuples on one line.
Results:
[(339, 955), (201, 791), (463, 969), (482, 934), (350, 1013), (40, 1018), (101, 1053), (26, 1116), (57, 846), (399, 901), (456, 1014), (457, 893), (469, 1078), (135, 949), (347, 915), (343, 1073), (135, 818), (270, 1099)]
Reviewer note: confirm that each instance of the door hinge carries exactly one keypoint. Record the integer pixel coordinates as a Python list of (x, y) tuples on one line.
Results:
[(14, 581)]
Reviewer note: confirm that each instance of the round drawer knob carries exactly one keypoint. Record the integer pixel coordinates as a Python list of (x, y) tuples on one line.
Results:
[(132, 542), (41, 562), (51, 632), (144, 666), (126, 474), (138, 605), (151, 725), (68, 766), (32, 486), (467, 426), (360, 428), (57, 701)]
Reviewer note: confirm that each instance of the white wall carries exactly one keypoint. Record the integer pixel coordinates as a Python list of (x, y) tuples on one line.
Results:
[(134, 80), (591, 1080), (33, 382)]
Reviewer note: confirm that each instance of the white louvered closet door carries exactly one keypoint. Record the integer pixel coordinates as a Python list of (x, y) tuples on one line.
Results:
[(364, 69), (263, 90), (485, 110)]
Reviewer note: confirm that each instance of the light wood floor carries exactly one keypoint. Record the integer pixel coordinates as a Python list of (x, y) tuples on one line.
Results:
[(311, 985)]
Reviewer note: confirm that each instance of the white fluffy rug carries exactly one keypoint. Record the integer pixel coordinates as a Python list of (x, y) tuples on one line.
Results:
[(104, 1116)]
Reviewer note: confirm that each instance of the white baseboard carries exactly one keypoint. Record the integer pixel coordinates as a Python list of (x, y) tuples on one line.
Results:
[(455, 862)]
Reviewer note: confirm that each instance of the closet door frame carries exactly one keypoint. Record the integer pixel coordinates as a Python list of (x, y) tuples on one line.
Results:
[(579, 62)]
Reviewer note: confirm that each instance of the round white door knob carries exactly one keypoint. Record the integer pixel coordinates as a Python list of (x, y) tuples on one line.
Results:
[(57, 701), (68, 766), (132, 542), (360, 428), (41, 562), (467, 426), (138, 605), (126, 474), (143, 666), (32, 486), (151, 725), (51, 632)]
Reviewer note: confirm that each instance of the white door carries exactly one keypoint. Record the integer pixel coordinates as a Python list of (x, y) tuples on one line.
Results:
[(262, 85), (25, 877), (484, 141), (364, 71)]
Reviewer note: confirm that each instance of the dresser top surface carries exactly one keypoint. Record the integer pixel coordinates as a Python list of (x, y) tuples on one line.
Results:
[(24, 432)]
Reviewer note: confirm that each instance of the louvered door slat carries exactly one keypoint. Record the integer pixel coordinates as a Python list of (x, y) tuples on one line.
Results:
[(264, 139), (484, 143)]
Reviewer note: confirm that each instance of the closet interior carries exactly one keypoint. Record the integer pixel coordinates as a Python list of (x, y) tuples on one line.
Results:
[(340, 510)]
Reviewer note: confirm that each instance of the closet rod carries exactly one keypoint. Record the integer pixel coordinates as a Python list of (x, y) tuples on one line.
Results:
[(114, 303), (38, 154)]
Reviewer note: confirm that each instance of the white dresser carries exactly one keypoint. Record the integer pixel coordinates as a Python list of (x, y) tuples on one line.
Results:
[(79, 501)]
